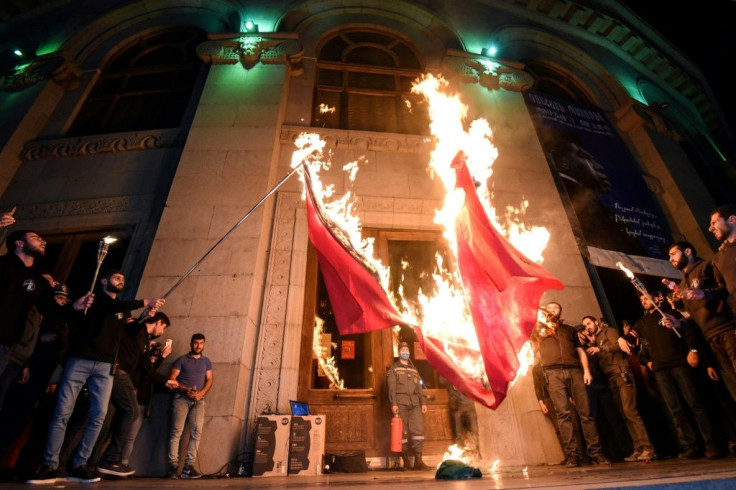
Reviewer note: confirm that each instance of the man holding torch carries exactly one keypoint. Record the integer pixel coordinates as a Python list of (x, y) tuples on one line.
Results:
[(92, 360), (672, 358)]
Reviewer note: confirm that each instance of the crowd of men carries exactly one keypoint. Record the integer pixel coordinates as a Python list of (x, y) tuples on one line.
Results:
[(76, 378), (79, 375), (677, 363)]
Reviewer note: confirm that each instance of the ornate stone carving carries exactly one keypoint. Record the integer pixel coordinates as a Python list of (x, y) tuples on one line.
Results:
[(488, 73), (360, 140), (267, 368), (249, 49), (107, 143), (83, 207), (30, 72)]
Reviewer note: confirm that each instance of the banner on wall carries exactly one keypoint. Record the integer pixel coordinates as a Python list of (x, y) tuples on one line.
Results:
[(614, 208)]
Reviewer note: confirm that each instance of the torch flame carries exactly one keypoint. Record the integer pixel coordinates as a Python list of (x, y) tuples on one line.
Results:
[(109, 239), (628, 273)]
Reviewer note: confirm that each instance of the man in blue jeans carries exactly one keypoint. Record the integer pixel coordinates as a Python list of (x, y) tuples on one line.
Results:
[(92, 355), (193, 373)]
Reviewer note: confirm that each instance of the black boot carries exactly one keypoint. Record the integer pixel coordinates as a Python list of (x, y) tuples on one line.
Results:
[(405, 459), (419, 464)]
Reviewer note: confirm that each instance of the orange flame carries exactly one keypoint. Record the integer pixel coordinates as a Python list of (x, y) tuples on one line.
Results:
[(444, 315)]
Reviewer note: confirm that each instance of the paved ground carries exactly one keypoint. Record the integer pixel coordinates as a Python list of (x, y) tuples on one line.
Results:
[(669, 474)]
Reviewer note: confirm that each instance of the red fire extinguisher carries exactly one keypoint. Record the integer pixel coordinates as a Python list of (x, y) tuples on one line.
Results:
[(397, 430)]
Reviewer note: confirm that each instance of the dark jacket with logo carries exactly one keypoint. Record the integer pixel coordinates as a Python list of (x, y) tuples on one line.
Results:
[(612, 359), (21, 288), (560, 350), (98, 332), (665, 349), (713, 315)]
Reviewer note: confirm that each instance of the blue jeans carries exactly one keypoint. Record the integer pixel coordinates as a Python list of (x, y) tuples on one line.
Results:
[(77, 372), (672, 380), (185, 409)]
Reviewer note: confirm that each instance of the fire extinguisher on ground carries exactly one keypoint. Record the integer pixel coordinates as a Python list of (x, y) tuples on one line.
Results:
[(397, 429)]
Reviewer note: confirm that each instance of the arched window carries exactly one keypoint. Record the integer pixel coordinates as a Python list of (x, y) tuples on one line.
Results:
[(551, 82), (145, 86), (364, 83)]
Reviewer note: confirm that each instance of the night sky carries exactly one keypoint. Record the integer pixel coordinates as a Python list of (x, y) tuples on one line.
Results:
[(705, 33)]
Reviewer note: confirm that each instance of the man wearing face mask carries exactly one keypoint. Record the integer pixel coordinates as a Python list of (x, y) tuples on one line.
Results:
[(406, 395)]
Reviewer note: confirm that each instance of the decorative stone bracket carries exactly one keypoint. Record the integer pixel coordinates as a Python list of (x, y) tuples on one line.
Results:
[(26, 73), (488, 72), (249, 49)]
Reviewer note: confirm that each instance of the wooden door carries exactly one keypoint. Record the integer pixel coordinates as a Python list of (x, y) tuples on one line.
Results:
[(344, 376)]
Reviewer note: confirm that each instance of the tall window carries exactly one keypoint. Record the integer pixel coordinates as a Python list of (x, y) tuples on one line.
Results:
[(364, 83), (146, 86)]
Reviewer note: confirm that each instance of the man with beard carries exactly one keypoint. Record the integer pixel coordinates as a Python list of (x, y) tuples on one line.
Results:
[(91, 359), (712, 315), (723, 227), (562, 358), (133, 358), (192, 372), (672, 359), (612, 351), (24, 293)]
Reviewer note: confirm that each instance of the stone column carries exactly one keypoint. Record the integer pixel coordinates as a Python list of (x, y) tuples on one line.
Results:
[(229, 162)]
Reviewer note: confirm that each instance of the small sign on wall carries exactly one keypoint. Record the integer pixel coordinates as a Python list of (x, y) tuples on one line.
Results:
[(348, 349), (418, 352)]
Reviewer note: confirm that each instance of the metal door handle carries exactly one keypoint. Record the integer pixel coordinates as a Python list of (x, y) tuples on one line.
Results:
[(348, 396)]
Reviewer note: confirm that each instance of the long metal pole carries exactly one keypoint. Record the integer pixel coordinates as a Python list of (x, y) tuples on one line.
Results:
[(240, 222)]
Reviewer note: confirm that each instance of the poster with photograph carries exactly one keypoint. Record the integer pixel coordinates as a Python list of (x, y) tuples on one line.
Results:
[(614, 207)]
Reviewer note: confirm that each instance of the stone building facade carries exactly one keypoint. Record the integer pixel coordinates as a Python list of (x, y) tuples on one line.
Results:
[(96, 140)]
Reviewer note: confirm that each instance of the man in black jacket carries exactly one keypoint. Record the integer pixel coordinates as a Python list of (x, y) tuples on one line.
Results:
[(672, 358), (22, 290), (712, 316), (567, 373), (723, 227), (92, 351), (133, 358)]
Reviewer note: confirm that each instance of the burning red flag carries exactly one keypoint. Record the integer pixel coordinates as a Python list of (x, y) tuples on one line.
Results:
[(502, 287), (358, 301)]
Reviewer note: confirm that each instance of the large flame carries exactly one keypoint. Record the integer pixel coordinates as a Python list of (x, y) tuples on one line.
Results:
[(443, 315)]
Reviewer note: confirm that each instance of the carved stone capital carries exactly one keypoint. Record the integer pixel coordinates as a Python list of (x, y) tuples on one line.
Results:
[(634, 114), (489, 73), (106, 143), (27, 73), (249, 49)]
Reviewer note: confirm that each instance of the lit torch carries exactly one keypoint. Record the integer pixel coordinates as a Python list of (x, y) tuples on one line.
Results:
[(101, 253), (642, 290)]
